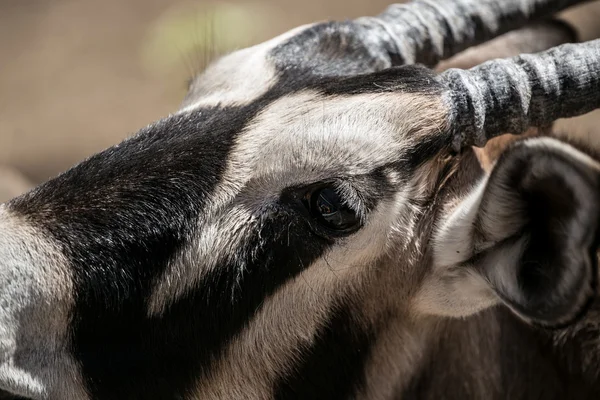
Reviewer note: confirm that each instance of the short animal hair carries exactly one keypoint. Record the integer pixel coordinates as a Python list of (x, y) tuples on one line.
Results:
[(314, 223)]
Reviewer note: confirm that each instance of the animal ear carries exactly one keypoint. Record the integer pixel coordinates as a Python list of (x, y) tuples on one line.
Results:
[(528, 236)]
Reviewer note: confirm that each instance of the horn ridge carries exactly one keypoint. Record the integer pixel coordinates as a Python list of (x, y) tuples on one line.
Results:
[(511, 95), (428, 31)]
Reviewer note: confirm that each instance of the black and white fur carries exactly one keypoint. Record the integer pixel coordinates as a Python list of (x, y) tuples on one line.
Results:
[(181, 263)]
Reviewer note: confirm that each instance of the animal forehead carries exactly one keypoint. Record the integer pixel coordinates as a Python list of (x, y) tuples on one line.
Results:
[(238, 78), (308, 136), (293, 59)]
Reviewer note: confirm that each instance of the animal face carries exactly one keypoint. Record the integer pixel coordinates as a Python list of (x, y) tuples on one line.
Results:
[(303, 221), (214, 211)]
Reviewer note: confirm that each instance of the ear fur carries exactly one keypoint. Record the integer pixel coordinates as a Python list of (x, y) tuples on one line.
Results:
[(529, 235)]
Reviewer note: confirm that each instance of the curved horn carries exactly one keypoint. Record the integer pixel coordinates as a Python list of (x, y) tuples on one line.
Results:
[(533, 38), (511, 95), (427, 31)]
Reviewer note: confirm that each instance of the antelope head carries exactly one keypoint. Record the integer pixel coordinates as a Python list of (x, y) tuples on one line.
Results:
[(314, 223)]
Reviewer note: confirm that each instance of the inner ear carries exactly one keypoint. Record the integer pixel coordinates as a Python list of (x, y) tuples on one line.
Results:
[(533, 233), (493, 149)]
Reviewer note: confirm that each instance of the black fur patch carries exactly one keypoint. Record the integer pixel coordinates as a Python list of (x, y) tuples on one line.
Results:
[(413, 79), (333, 367), (121, 216), (334, 49), (161, 357), (347, 58), (8, 396)]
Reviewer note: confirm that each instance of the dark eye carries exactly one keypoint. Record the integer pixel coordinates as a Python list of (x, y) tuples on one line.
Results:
[(326, 206)]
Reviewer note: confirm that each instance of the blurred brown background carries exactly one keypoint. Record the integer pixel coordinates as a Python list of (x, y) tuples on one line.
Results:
[(77, 76)]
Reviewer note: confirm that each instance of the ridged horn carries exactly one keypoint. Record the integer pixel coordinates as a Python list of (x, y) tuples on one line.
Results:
[(428, 31), (511, 95)]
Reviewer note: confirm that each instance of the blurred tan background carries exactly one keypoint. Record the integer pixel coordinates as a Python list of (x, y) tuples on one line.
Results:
[(77, 76)]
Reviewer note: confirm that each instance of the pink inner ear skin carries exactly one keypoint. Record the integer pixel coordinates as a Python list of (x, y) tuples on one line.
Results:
[(488, 154)]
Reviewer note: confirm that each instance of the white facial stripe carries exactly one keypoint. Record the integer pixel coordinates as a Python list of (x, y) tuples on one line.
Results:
[(299, 139), (265, 349), (306, 136), (234, 80), (290, 318), (218, 242), (36, 297), (238, 78)]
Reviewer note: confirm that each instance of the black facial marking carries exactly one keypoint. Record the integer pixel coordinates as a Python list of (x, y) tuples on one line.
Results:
[(347, 58), (424, 151), (8, 396), (334, 49), (371, 189), (333, 367), (413, 79), (121, 217), (161, 357)]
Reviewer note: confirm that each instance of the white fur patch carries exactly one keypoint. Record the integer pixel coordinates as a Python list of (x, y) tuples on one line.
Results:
[(288, 320), (35, 299), (299, 139), (238, 78), (217, 242), (453, 240)]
